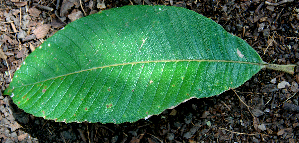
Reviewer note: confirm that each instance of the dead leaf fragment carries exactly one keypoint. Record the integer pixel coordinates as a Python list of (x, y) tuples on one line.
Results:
[(21, 53), (294, 87), (282, 131), (29, 37), (7, 39), (14, 126), (41, 31), (101, 5), (75, 15), (290, 107), (23, 3), (66, 5), (57, 23), (34, 12), (22, 137)]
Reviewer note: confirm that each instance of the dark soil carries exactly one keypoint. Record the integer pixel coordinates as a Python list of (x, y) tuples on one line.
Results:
[(264, 109)]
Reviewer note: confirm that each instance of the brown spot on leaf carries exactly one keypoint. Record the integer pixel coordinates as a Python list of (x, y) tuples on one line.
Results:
[(109, 106), (85, 109), (44, 90), (151, 81), (109, 89), (24, 96)]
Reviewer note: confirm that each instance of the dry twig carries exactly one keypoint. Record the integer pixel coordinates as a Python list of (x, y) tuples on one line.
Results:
[(279, 3)]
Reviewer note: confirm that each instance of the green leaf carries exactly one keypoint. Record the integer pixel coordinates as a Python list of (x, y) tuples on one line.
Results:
[(124, 64)]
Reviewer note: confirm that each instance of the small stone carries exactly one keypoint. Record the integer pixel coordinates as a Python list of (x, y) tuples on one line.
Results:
[(170, 136), (273, 80), (22, 136), (267, 110), (14, 136), (8, 140), (257, 112), (173, 112), (114, 139), (262, 127), (188, 135), (15, 126), (283, 84), (294, 87), (266, 32)]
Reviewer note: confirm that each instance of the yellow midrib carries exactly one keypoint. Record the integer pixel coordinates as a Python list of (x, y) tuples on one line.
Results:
[(145, 62)]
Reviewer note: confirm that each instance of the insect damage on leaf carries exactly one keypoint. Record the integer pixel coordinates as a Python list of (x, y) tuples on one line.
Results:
[(129, 63)]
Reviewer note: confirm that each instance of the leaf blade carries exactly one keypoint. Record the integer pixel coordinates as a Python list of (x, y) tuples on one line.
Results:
[(123, 72)]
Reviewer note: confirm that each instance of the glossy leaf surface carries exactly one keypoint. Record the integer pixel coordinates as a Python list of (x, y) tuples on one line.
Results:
[(129, 63)]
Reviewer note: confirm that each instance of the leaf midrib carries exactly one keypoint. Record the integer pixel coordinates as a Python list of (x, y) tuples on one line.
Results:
[(145, 62)]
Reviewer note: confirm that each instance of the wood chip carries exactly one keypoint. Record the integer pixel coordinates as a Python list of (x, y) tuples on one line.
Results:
[(41, 31), (13, 27), (2, 55), (32, 48)]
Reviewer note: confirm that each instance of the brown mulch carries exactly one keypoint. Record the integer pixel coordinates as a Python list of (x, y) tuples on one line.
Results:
[(264, 109)]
